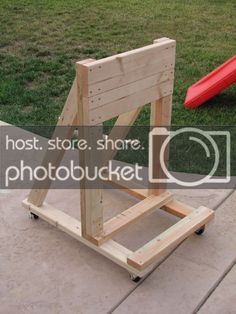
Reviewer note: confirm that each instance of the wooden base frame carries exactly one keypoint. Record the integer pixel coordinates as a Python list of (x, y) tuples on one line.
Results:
[(141, 261), (119, 86)]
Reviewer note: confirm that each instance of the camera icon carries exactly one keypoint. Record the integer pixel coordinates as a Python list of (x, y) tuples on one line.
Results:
[(207, 144)]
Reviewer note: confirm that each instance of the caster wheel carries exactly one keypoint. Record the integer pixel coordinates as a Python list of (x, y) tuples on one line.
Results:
[(200, 231), (135, 278), (33, 216)]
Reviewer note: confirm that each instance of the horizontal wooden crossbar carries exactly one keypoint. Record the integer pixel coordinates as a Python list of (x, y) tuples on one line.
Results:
[(173, 207), (130, 102), (138, 191), (126, 62), (169, 239), (178, 209), (159, 67), (129, 89), (131, 215)]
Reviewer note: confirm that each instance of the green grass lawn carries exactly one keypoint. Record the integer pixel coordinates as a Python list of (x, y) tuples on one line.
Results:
[(41, 40)]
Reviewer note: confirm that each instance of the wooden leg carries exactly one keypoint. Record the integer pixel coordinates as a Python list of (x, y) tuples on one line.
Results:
[(90, 198), (160, 116), (67, 118), (37, 196)]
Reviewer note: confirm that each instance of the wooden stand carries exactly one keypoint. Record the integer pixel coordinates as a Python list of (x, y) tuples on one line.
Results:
[(119, 86)]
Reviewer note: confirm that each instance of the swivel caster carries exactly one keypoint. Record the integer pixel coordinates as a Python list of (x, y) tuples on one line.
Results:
[(135, 278), (33, 216), (200, 231)]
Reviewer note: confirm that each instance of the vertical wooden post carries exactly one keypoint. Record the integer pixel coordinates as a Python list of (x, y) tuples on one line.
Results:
[(90, 199), (160, 116)]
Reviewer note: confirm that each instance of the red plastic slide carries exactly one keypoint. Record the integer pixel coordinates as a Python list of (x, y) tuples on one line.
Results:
[(211, 84)]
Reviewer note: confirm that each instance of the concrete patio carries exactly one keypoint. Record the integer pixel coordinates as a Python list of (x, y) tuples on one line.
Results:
[(43, 270)]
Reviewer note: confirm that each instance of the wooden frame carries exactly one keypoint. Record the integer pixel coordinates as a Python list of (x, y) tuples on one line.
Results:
[(119, 86)]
